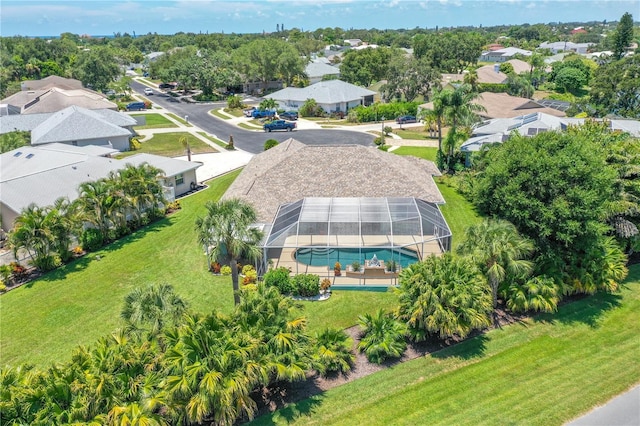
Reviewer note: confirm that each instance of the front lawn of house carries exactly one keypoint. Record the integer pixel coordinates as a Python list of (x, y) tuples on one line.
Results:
[(546, 370), (169, 145), (154, 121)]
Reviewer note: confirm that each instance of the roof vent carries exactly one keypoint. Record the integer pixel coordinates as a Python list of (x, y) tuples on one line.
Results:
[(17, 154), (30, 155)]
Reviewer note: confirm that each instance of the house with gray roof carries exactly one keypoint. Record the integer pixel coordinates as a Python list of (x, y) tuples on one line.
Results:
[(74, 126), (566, 46), (499, 130), (332, 96), (503, 55), (41, 175), (317, 70)]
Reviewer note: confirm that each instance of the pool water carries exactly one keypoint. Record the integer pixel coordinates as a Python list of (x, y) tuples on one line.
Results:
[(323, 256)]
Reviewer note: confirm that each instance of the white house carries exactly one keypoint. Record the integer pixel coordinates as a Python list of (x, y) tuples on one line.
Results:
[(503, 55), (566, 46), (332, 96), (41, 175)]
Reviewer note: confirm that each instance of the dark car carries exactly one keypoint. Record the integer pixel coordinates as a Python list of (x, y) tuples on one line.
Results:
[(289, 115), (406, 119)]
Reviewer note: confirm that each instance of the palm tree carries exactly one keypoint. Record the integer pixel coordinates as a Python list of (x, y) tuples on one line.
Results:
[(33, 232), (268, 104), (447, 296), (499, 251), (141, 188), (333, 353), (95, 202), (66, 225), (383, 336), (460, 107), (440, 101), (152, 309), (227, 234)]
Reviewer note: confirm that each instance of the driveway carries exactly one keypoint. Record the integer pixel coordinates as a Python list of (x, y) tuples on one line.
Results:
[(250, 141)]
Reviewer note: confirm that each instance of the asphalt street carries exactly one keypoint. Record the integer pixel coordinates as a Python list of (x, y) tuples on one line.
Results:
[(247, 140)]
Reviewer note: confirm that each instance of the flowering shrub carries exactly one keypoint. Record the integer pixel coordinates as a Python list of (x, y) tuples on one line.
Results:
[(250, 277), (225, 270)]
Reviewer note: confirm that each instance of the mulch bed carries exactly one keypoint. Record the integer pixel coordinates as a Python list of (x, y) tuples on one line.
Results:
[(281, 394)]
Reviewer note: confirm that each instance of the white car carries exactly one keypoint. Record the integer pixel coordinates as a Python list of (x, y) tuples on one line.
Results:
[(148, 91)]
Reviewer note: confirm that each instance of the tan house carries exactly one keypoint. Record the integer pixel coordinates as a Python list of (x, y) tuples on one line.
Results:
[(55, 99)]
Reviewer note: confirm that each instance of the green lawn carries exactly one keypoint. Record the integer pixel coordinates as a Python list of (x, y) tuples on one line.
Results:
[(219, 114), (546, 370), (343, 308), (180, 119), (236, 112), (218, 142), (248, 126), (154, 121), (44, 320), (426, 153), (458, 211), (169, 145)]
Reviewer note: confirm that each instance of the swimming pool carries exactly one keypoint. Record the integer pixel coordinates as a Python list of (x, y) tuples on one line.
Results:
[(324, 256)]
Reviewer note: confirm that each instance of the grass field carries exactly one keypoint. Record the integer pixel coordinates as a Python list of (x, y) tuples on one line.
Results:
[(545, 370), (426, 153), (44, 320), (218, 114), (169, 145), (154, 121), (218, 142), (180, 119)]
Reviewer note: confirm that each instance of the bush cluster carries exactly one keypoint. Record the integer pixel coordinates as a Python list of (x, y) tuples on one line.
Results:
[(305, 285), (375, 112)]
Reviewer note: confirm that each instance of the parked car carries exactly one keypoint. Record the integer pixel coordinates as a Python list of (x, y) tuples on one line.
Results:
[(169, 86), (262, 113), (148, 91), (406, 119), (247, 112), (279, 125), (289, 115), (135, 106)]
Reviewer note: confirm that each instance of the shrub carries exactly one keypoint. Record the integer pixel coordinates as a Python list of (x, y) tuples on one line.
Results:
[(147, 104), (247, 268), (250, 277), (77, 250), (215, 267), (17, 270), (356, 266), (270, 143), (234, 102), (387, 130), (225, 270), (91, 239), (47, 263), (134, 144), (280, 279), (379, 141), (383, 337), (5, 273), (3, 287), (306, 285), (332, 352), (230, 146)]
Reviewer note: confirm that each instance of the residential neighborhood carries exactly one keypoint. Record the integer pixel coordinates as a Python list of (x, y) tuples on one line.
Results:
[(222, 227)]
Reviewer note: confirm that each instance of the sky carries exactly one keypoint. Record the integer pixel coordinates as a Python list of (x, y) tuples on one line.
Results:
[(97, 17)]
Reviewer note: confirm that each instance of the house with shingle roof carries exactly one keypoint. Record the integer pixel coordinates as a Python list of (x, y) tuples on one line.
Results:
[(55, 99), (315, 200), (41, 175), (51, 82), (74, 126), (332, 96)]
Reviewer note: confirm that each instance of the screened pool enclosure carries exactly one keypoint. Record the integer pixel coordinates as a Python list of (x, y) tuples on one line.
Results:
[(312, 234)]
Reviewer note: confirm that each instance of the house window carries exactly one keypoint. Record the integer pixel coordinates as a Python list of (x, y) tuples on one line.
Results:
[(179, 179)]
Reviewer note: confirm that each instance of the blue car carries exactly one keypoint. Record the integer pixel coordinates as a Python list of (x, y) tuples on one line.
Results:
[(406, 119)]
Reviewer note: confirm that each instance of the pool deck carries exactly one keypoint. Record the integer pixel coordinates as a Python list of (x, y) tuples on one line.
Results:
[(287, 258)]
